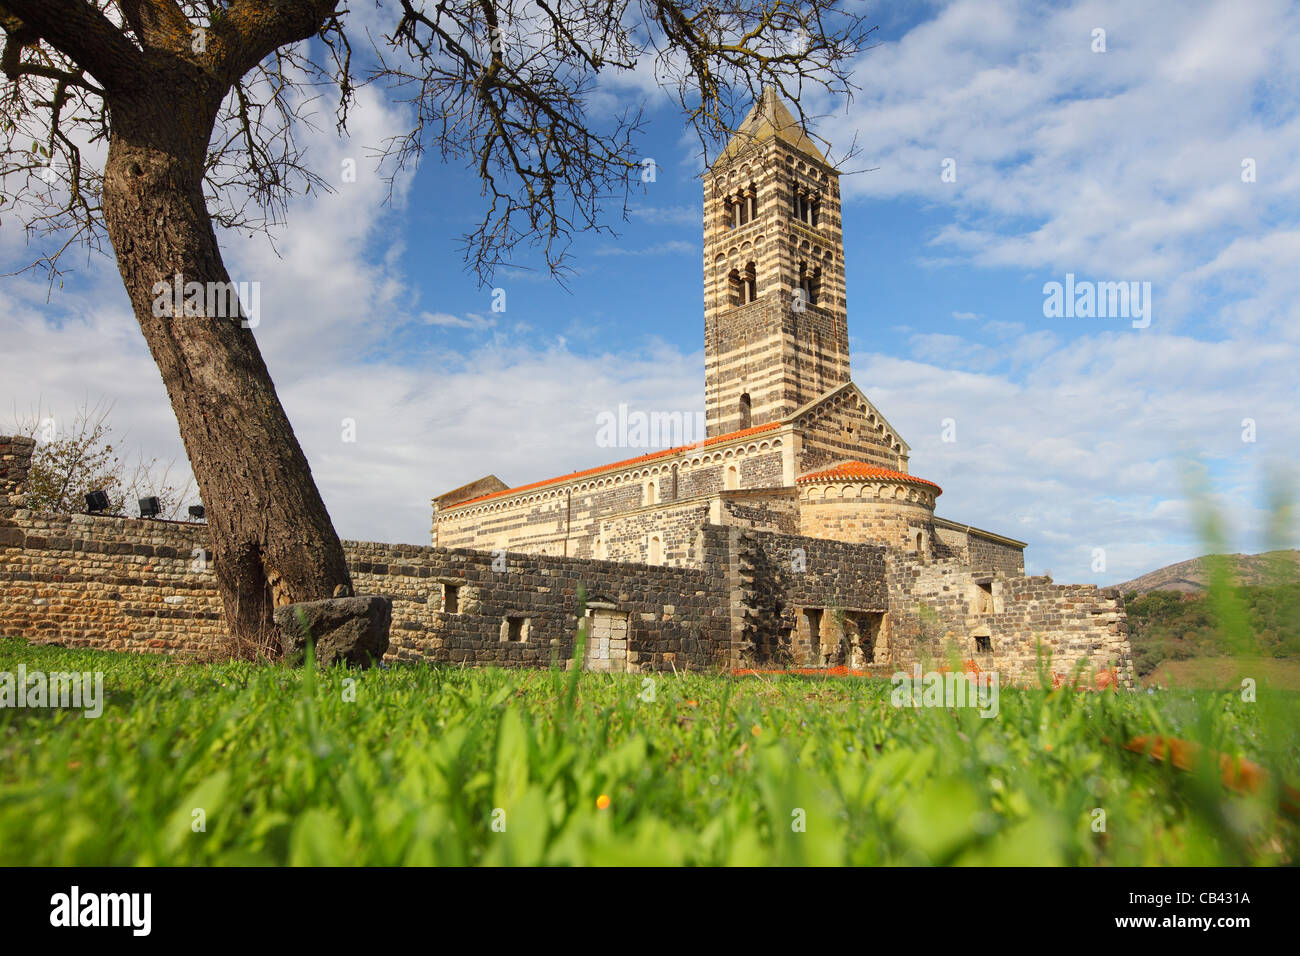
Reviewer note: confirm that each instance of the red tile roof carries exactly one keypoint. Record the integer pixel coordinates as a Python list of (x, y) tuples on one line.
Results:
[(860, 469), (665, 453)]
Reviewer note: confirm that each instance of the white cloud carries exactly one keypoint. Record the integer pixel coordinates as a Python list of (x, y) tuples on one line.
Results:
[(1095, 447), (1118, 165), (688, 216), (671, 247), (470, 320)]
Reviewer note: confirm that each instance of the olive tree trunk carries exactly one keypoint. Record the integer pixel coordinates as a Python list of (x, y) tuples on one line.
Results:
[(272, 540)]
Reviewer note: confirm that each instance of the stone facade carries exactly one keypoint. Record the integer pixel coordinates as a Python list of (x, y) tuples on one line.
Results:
[(597, 513)]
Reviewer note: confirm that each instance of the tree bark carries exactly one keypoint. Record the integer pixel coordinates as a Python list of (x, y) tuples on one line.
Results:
[(272, 539)]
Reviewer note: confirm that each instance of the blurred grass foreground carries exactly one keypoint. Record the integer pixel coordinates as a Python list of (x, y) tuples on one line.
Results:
[(421, 764)]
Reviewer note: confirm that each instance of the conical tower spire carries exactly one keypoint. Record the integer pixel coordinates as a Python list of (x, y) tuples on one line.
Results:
[(770, 118)]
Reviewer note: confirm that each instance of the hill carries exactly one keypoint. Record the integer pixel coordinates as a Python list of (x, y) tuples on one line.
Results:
[(1193, 576)]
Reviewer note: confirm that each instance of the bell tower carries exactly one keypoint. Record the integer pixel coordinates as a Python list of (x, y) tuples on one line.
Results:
[(775, 317)]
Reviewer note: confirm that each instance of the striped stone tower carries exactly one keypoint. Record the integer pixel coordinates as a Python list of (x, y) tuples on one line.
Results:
[(775, 320)]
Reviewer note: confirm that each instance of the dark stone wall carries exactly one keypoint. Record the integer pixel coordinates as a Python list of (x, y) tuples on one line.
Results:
[(989, 554), (677, 617)]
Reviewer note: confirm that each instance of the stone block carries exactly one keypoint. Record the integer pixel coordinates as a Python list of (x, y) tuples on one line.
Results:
[(351, 630)]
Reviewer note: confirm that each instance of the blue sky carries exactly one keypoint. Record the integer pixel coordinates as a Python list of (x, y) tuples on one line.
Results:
[(1071, 434)]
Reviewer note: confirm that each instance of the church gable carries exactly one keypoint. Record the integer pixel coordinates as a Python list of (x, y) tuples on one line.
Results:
[(489, 484), (844, 425)]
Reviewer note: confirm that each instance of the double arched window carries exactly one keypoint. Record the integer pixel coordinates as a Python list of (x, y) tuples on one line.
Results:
[(741, 207), (807, 207), (810, 281), (742, 287)]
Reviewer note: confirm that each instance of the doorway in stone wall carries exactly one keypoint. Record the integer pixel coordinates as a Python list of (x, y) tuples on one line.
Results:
[(810, 636), (861, 638), (607, 639)]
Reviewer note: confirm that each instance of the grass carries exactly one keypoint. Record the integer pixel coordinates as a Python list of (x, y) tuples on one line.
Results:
[(430, 764), (1226, 672)]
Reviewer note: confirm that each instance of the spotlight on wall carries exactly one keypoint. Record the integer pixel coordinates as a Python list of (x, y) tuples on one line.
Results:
[(149, 507), (197, 512), (96, 502)]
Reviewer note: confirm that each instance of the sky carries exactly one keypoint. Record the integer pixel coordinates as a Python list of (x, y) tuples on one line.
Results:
[(999, 150)]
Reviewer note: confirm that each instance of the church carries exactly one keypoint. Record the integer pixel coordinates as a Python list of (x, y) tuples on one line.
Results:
[(797, 531), (792, 444)]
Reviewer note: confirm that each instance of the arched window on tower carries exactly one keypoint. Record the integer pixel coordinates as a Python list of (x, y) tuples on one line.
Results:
[(735, 288), (743, 204), (810, 281), (746, 409), (750, 282), (806, 207), (751, 201)]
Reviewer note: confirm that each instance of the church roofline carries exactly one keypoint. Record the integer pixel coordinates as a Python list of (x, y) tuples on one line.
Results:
[(809, 406), (626, 463), (970, 528), (859, 470), (468, 490)]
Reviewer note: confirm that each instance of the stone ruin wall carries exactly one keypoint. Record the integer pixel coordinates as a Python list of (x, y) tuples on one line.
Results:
[(983, 551), (943, 606), (676, 617)]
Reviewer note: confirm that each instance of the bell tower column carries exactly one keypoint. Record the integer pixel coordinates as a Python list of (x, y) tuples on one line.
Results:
[(775, 317)]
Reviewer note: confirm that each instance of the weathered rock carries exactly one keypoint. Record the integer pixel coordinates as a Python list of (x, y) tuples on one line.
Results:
[(351, 630)]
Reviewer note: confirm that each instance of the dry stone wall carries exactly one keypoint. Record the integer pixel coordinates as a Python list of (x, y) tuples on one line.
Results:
[(518, 610), (1001, 621), (133, 585)]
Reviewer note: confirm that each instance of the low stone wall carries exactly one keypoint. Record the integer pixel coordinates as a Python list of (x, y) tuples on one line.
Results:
[(116, 583), (677, 617), (133, 585)]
